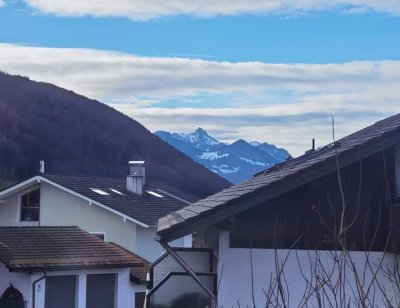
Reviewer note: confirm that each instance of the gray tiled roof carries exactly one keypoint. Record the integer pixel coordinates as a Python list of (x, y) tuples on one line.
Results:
[(59, 248), (276, 176), (146, 208)]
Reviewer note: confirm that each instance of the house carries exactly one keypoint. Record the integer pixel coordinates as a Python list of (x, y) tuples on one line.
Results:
[(122, 211), (320, 230), (63, 267)]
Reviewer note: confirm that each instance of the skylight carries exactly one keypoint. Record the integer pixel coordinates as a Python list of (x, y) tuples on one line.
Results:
[(116, 191), (99, 191), (154, 194)]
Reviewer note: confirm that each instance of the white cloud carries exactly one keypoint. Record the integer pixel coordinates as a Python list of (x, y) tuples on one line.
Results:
[(150, 9), (286, 104), (2, 3), (117, 77)]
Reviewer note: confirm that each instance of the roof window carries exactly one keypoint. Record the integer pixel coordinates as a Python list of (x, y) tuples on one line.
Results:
[(99, 191), (154, 194), (116, 191)]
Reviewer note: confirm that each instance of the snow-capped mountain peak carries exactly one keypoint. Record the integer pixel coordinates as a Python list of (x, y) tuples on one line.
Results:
[(200, 135), (200, 139), (236, 162)]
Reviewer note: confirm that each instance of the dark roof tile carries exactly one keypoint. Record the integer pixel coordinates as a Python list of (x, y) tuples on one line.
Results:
[(146, 208)]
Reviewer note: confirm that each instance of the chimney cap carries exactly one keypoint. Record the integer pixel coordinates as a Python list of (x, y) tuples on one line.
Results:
[(136, 162)]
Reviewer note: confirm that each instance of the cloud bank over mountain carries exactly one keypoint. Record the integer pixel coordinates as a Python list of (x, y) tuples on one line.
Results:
[(287, 104)]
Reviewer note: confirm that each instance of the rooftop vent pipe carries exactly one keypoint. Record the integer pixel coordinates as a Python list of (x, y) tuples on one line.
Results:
[(312, 147), (136, 178), (41, 169)]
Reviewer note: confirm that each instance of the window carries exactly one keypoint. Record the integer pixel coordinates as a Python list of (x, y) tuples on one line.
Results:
[(100, 235), (117, 191), (30, 206), (100, 291), (154, 194), (99, 191), (60, 292), (139, 299)]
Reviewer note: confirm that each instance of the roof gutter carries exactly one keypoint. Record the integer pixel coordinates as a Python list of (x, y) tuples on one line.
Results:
[(188, 270)]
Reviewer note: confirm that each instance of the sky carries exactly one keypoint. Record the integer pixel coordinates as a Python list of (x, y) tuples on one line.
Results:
[(267, 70)]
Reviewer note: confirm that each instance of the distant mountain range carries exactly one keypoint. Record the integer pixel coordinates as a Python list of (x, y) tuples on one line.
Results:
[(236, 162), (77, 135)]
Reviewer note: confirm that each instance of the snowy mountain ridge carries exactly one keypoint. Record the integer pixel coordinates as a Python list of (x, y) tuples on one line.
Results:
[(236, 162), (200, 139)]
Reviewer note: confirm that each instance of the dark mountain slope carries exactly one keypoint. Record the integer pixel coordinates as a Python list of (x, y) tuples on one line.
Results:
[(76, 135)]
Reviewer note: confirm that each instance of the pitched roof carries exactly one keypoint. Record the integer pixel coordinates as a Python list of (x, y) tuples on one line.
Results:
[(281, 178), (144, 209), (59, 248)]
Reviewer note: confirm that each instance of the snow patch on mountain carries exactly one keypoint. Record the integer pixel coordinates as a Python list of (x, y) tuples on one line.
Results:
[(212, 155), (254, 163), (224, 169)]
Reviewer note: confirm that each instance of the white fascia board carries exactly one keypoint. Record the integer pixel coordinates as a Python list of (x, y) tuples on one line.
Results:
[(37, 179), (18, 186)]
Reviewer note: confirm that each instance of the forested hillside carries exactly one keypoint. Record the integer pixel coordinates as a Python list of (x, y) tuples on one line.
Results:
[(76, 135)]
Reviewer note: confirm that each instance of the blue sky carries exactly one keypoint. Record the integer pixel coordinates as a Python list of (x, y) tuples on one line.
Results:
[(250, 70)]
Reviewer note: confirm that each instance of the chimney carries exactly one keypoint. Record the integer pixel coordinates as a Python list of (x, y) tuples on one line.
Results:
[(41, 169), (136, 178)]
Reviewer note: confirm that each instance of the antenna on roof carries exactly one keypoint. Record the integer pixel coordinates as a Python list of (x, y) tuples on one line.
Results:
[(41, 169), (333, 128), (313, 144)]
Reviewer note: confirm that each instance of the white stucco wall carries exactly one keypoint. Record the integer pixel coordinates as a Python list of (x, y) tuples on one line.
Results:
[(234, 272), (20, 281)]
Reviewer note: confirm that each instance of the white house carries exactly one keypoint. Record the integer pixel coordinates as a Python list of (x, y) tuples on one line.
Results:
[(122, 211), (63, 267), (320, 230)]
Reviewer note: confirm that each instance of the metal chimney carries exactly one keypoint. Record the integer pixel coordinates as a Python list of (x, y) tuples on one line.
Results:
[(136, 178)]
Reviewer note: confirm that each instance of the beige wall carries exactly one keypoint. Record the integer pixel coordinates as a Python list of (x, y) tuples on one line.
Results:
[(9, 211), (151, 249), (60, 208), (146, 246)]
